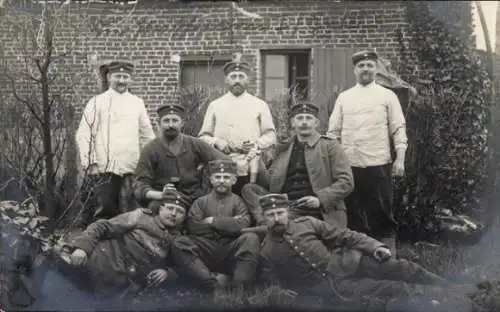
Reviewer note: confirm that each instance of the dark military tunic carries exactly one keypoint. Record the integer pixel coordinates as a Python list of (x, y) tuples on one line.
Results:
[(126, 247), (219, 245), (158, 165), (314, 257)]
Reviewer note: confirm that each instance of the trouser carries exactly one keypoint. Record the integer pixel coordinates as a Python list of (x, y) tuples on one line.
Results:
[(200, 257), (251, 194), (384, 281), (114, 195), (370, 205)]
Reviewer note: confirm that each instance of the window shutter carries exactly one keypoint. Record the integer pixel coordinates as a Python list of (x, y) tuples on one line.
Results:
[(332, 73)]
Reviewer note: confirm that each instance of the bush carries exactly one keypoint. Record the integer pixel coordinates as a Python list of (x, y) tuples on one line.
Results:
[(448, 120)]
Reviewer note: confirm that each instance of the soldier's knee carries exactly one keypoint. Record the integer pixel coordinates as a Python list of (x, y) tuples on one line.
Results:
[(249, 239)]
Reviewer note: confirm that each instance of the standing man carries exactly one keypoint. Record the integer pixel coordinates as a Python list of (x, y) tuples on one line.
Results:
[(172, 160), (365, 119), (311, 169), (114, 127), (238, 123)]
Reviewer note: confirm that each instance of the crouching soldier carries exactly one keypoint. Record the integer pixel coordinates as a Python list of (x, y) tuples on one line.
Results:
[(315, 258), (215, 244), (132, 250)]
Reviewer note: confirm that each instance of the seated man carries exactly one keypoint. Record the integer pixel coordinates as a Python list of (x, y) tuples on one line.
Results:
[(312, 169), (215, 242), (172, 160), (312, 257), (130, 250)]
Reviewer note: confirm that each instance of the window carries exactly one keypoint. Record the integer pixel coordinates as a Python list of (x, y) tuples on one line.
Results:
[(284, 71), (208, 71)]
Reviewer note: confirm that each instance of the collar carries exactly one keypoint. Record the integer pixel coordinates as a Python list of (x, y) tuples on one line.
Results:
[(312, 140), (112, 92), (232, 96), (215, 195), (368, 86)]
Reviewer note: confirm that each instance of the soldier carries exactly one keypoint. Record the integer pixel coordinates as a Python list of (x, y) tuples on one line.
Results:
[(215, 243), (312, 169), (366, 119), (173, 160), (310, 256), (114, 127), (131, 250), (239, 124)]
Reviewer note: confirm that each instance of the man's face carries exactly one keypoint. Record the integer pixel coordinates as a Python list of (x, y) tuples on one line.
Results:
[(171, 215), (171, 125), (222, 182), (304, 124), (365, 71), (237, 81), (119, 81), (277, 219)]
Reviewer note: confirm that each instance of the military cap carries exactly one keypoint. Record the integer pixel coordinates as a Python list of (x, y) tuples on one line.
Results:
[(119, 66), (170, 109), (304, 107), (274, 201), (221, 166), (364, 55), (171, 197), (236, 65)]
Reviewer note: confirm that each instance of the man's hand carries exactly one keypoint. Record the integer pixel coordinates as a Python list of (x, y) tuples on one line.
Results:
[(208, 220), (93, 169), (156, 277), (247, 146), (78, 257), (382, 254), (222, 145), (398, 167), (308, 201)]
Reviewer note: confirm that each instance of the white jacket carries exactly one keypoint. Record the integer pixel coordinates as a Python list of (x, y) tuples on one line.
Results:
[(113, 130)]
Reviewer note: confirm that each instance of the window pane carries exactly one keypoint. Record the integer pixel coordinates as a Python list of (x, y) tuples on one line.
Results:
[(302, 63), (275, 65), (202, 73), (274, 88)]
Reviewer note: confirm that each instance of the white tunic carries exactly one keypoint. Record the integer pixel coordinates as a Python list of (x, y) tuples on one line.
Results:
[(236, 120), (113, 130), (364, 119)]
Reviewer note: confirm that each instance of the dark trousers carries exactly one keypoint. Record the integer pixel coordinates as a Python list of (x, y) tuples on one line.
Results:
[(199, 257), (394, 278), (114, 195), (370, 205)]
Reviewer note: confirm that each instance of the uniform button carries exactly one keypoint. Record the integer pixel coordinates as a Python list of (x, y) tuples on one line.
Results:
[(302, 254), (313, 265), (291, 241), (324, 274), (307, 259), (296, 248)]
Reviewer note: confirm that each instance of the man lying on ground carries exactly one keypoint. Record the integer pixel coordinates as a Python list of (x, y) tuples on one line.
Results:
[(130, 251), (313, 257), (215, 243)]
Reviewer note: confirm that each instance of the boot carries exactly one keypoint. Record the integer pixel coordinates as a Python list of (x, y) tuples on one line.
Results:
[(244, 271), (198, 269)]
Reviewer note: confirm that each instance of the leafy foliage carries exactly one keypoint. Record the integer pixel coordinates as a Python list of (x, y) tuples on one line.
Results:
[(447, 122)]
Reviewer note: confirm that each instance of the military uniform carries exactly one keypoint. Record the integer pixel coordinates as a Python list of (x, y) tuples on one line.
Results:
[(367, 120), (237, 119), (179, 162), (317, 168), (314, 257), (113, 129), (121, 251), (218, 246)]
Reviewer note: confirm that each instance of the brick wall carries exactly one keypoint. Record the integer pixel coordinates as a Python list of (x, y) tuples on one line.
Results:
[(152, 33)]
